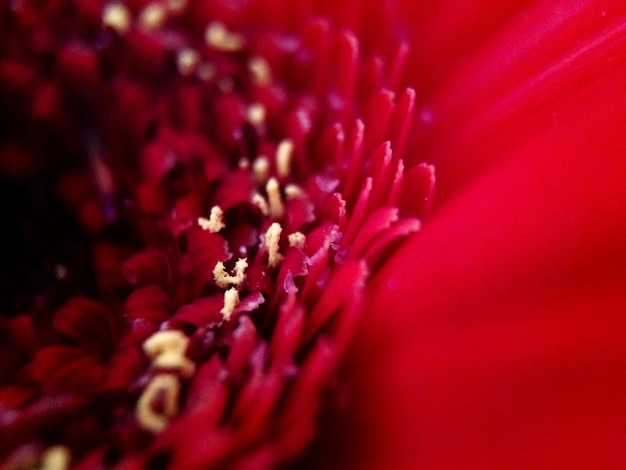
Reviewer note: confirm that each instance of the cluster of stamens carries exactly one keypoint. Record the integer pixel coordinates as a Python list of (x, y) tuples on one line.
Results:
[(261, 199)]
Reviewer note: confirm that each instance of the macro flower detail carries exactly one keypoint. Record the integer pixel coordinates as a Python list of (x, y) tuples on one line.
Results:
[(235, 185)]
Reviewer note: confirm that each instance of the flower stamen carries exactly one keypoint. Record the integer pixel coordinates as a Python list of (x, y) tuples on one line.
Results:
[(117, 17), (166, 349), (224, 280), (260, 71), (215, 222), (284, 154), (272, 238), (276, 207), (56, 458), (231, 300), (219, 37), (296, 240), (164, 388)]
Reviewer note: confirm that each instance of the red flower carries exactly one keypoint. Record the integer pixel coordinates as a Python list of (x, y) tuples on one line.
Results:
[(201, 334)]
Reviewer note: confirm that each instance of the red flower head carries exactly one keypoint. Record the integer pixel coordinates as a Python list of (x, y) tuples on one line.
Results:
[(213, 257)]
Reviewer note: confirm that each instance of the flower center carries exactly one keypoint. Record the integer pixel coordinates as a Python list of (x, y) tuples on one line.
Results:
[(245, 186)]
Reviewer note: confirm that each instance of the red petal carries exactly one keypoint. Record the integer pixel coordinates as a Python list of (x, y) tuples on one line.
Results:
[(496, 339)]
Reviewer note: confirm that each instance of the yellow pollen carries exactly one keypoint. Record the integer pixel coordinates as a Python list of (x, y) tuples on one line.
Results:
[(219, 37), (273, 195), (224, 280), (215, 222), (297, 240), (168, 341), (261, 169), (166, 350), (260, 70), (284, 154), (153, 16), (231, 300), (187, 61), (166, 387), (256, 114), (244, 163), (293, 191), (173, 361), (116, 16), (272, 238), (56, 458), (261, 203)]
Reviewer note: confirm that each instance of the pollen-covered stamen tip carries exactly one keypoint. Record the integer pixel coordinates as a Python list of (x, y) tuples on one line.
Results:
[(256, 114), (215, 222), (272, 239), (153, 16), (162, 390), (259, 202), (260, 71), (219, 37), (224, 280), (276, 207), (296, 240), (166, 349), (56, 458), (284, 154), (187, 61), (117, 17), (231, 300)]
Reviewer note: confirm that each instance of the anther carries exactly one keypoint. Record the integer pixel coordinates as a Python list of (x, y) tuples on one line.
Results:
[(224, 280), (215, 222), (272, 239), (152, 17), (117, 17), (260, 202), (296, 239), (260, 70), (56, 458), (231, 300), (256, 114), (219, 37), (261, 169), (277, 209), (187, 61), (165, 388), (284, 154)]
